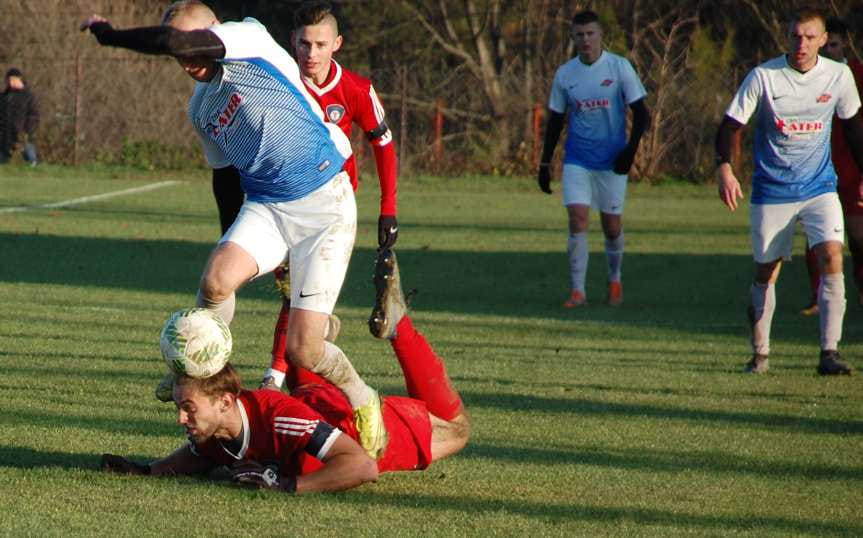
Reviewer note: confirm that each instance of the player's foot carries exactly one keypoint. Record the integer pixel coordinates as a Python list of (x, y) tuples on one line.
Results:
[(757, 365), (165, 389), (811, 309), (831, 364), (390, 304), (269, 383), (615, 293), (369, 420), (576, 299), (334, 325)]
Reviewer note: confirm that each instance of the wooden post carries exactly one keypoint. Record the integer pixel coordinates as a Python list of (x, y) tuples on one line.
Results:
[(438, 129), (537, 132), (77, 109), (403, 128)]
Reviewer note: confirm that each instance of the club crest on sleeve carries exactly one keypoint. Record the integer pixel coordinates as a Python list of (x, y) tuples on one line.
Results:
[(824, 98), (335, 113), (607, 82)]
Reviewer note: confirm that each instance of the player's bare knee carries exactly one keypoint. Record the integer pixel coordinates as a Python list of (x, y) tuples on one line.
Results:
[(212, 291), (303, 353)]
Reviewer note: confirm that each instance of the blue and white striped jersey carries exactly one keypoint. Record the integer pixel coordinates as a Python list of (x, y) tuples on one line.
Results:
[(794, 112), (257, 115)]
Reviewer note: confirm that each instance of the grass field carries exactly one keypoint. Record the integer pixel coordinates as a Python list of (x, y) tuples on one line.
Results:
[(634, 421)]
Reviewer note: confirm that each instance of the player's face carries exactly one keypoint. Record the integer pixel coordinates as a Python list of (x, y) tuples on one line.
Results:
[(588, 41), (804, 40), (15, 83), (197, 412), (315, 46), (834, 48), (199, 69)]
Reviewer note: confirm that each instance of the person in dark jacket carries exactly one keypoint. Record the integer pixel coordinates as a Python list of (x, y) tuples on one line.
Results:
[(18, 113)]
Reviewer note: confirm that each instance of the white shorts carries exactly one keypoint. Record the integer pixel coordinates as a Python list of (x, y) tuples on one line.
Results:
[(601, 189), (317, 233), (773, 225)]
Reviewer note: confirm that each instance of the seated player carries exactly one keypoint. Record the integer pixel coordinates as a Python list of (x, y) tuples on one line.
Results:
[(307, 441)]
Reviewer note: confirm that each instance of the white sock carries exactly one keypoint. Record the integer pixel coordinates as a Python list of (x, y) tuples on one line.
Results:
[(614, 257), (335, 367), (831, 303), (278, 377), (576, 247), (763, 297), (225, 309)]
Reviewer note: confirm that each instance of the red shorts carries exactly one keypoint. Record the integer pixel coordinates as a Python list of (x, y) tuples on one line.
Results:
[(409, 434)]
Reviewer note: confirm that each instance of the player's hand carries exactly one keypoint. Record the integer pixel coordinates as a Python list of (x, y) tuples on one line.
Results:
[(544, 178), (255, 475), (118, 464), (388, 231), (860, 192), (729, 187), (90, 21), (623, 161)]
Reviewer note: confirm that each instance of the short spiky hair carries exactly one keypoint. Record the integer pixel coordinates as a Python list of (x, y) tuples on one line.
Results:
[(225, 380), (806, 14), (179, 7), (311, 13), (585, 17)]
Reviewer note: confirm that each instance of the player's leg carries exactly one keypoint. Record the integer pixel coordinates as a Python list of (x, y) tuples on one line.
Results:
[(611, 193), (577, 198), (229, 267), (772, 238), (822, 220), (814, 274), (854, 228), (449, 436)]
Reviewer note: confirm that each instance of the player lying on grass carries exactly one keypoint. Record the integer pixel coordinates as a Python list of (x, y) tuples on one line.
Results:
[(307, 441)]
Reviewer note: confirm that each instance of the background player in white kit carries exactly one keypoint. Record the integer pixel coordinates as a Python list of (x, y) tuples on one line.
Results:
[(793, 98), (252, 111), (596, 88)]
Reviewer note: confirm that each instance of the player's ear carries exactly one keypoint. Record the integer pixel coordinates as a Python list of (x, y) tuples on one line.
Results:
[(226, 401), (337, 44)]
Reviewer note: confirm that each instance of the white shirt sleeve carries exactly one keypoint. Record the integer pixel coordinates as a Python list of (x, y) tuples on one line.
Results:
[(848, 100), (557, 100), (746, 100), (214, 155), (632, 88), (243, 40)]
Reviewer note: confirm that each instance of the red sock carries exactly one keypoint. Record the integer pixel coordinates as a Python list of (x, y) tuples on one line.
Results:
[(294, 376), (425, 374), (814, 272)]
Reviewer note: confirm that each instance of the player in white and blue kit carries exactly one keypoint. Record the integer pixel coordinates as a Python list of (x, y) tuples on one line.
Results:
[(252, 111), (793, 98), (596, 88)]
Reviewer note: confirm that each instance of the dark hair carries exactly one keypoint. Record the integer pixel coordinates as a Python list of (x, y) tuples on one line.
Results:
[(14, 72), (835, 25), (311, 13), (806, 14), (225, 380), (585, 17)]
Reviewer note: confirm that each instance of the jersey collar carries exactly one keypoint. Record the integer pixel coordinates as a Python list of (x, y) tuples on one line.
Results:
[(334, 77), (245, 447)]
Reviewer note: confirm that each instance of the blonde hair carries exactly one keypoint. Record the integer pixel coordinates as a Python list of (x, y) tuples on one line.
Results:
[(181, 7), (225, 380)]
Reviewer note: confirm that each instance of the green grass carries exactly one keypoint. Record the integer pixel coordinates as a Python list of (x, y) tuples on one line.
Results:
[(633, 421)]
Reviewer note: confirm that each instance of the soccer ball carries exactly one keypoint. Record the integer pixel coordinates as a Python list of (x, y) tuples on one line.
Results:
[(195, 342)]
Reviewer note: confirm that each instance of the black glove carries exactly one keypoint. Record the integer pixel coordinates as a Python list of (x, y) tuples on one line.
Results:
[(623, 161), (118, 464), (255, 475), (544, 178), (388, 231)]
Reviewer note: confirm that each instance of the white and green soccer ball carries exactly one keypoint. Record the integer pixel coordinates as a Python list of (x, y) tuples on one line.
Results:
[(195, 342)]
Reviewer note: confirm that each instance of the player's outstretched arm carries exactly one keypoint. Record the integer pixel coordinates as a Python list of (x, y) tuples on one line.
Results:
[(552, 134), (181, 461), (729, 188), (346, 466), (157, 39), (853, 128)]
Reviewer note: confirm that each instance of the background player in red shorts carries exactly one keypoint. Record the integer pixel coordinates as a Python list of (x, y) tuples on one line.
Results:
[(849, 185), (346, 99), (307, 441)]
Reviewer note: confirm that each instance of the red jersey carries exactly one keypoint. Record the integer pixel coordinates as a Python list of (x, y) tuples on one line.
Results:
[(846, 168), (347, 98), (296, 431)]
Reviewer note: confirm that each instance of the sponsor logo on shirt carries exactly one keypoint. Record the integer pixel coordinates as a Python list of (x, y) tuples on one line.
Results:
[(227, 115), (792, 127), (335, 113), (824, 98), (591, 104), (607, 82)]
